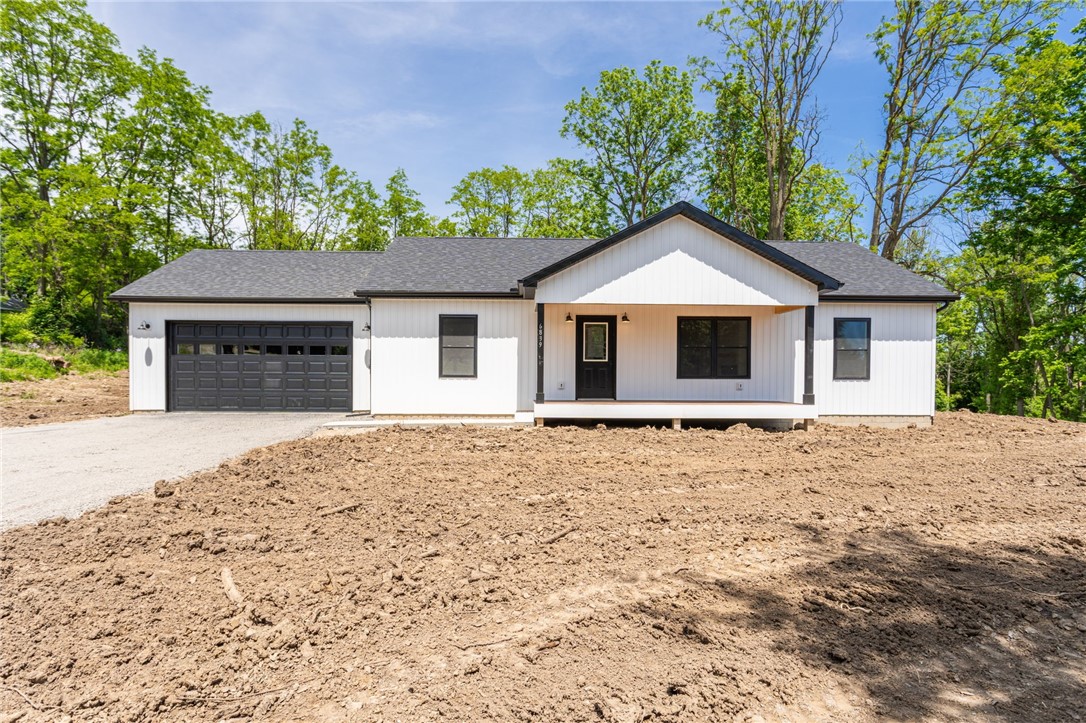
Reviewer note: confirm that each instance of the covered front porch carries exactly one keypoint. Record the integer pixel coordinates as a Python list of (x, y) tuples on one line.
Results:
[(674, 362), (678, 317)]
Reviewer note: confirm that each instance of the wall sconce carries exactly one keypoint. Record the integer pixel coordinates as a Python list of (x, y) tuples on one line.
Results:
[(144, 326), (366, 327), (625, 319), (569, 318)]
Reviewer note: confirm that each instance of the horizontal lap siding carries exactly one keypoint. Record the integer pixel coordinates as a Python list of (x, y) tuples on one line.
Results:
[(647, 353), (677, 262), (148, 354), (902, 361), (405, 351)]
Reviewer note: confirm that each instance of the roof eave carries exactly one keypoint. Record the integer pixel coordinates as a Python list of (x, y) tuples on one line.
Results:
[(132, 298), (406, 294), (895, 298)]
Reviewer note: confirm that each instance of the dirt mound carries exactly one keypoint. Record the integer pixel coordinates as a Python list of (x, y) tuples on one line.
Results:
[(63, 399), (572, 574)]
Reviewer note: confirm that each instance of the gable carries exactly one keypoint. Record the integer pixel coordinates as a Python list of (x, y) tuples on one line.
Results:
[(676, 261)]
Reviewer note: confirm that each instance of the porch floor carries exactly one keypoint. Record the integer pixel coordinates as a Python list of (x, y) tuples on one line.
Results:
[(623, 409)]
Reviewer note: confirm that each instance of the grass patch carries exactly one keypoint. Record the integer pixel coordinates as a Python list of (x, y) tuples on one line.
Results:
[(17, 366), (98, 360)]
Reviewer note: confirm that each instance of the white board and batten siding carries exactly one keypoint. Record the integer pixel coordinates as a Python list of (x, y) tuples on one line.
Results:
[(677, 262), (647, 354), (147, 351), (902, 381), (406, 350)]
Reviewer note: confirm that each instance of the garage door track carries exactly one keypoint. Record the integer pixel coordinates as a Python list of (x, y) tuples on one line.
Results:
[(66, 469)]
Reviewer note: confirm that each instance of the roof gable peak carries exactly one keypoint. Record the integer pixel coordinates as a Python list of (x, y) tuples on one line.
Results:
[(704, 219)]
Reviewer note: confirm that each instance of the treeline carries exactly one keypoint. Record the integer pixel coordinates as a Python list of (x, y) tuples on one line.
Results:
[(115, 165)]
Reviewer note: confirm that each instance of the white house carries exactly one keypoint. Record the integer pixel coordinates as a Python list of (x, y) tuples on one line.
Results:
[(679, 316)]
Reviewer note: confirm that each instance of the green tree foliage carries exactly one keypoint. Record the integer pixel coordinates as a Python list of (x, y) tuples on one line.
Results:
[(939, 59), (640, 133), (554, 202), (403, 213), (773, 51), (112, 166), (1025, 262), (733, 177)]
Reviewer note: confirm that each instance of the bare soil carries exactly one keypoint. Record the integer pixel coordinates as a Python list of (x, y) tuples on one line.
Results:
[(64, 399), (572, 574)]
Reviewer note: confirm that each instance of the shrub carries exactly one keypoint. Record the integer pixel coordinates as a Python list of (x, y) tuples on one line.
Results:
[(15, 328), (18, 366)]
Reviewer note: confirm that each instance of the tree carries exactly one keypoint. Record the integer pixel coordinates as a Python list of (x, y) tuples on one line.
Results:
[(1028, 255), (640, 134), (404, 213), (559, 203), (491, 202), (62, 78), (939, 58), (775, 50), (733, 177)]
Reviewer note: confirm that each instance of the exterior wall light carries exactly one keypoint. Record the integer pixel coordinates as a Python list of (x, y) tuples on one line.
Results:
[(569, 318), (144, 326), (625, 319)]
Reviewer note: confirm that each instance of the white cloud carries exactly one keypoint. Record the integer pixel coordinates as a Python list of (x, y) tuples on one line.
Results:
[(389, 121)]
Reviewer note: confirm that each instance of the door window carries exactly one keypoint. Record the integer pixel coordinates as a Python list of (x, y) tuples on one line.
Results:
[(595, 341)]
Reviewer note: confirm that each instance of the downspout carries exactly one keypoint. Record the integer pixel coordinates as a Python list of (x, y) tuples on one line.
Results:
[(369, 326)]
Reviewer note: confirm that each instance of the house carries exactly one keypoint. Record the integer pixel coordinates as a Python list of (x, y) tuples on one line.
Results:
[(679, 316)]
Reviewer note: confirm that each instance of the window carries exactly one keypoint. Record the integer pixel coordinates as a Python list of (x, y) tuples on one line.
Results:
[(714, 347), (458, 337), (339, 350), (595, 341), (273, 349), (185, 348), (852, 348)]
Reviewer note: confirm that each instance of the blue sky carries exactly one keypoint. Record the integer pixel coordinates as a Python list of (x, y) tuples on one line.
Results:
[(441, 89)]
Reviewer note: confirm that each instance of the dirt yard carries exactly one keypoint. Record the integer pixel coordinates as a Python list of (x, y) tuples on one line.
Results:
[(572, 574), (64, 399)]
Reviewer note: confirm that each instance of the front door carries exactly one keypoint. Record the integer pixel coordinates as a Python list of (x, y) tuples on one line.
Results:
[(596, 357)]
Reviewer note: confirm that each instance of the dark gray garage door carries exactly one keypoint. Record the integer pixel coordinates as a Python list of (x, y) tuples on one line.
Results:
[(259, 366)]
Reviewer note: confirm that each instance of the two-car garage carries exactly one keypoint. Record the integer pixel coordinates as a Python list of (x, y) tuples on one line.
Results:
[(217, 365)]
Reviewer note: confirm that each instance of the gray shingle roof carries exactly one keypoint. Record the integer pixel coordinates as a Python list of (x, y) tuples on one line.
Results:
[(206, 275), (862, 274), (463, 265)]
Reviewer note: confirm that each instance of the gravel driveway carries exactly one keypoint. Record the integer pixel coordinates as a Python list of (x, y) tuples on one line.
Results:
[(66, 469)]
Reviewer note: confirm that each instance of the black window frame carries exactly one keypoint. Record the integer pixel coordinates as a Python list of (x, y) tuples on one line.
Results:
[(867, 367), (714, 346), (441, 347)]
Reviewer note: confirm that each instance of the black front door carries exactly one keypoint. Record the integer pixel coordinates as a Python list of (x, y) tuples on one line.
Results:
[(596, 357)]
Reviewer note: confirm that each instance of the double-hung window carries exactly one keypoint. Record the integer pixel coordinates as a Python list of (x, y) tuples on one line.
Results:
[(852, 348), (459, 337), (714, 347)]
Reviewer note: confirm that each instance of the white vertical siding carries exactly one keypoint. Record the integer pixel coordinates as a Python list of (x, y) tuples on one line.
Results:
[(147, 348), (677, 262), (902, 361), (647, 354), (405, 358)]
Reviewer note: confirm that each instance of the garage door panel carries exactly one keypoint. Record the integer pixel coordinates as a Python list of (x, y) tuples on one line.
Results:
[(260, 366)]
